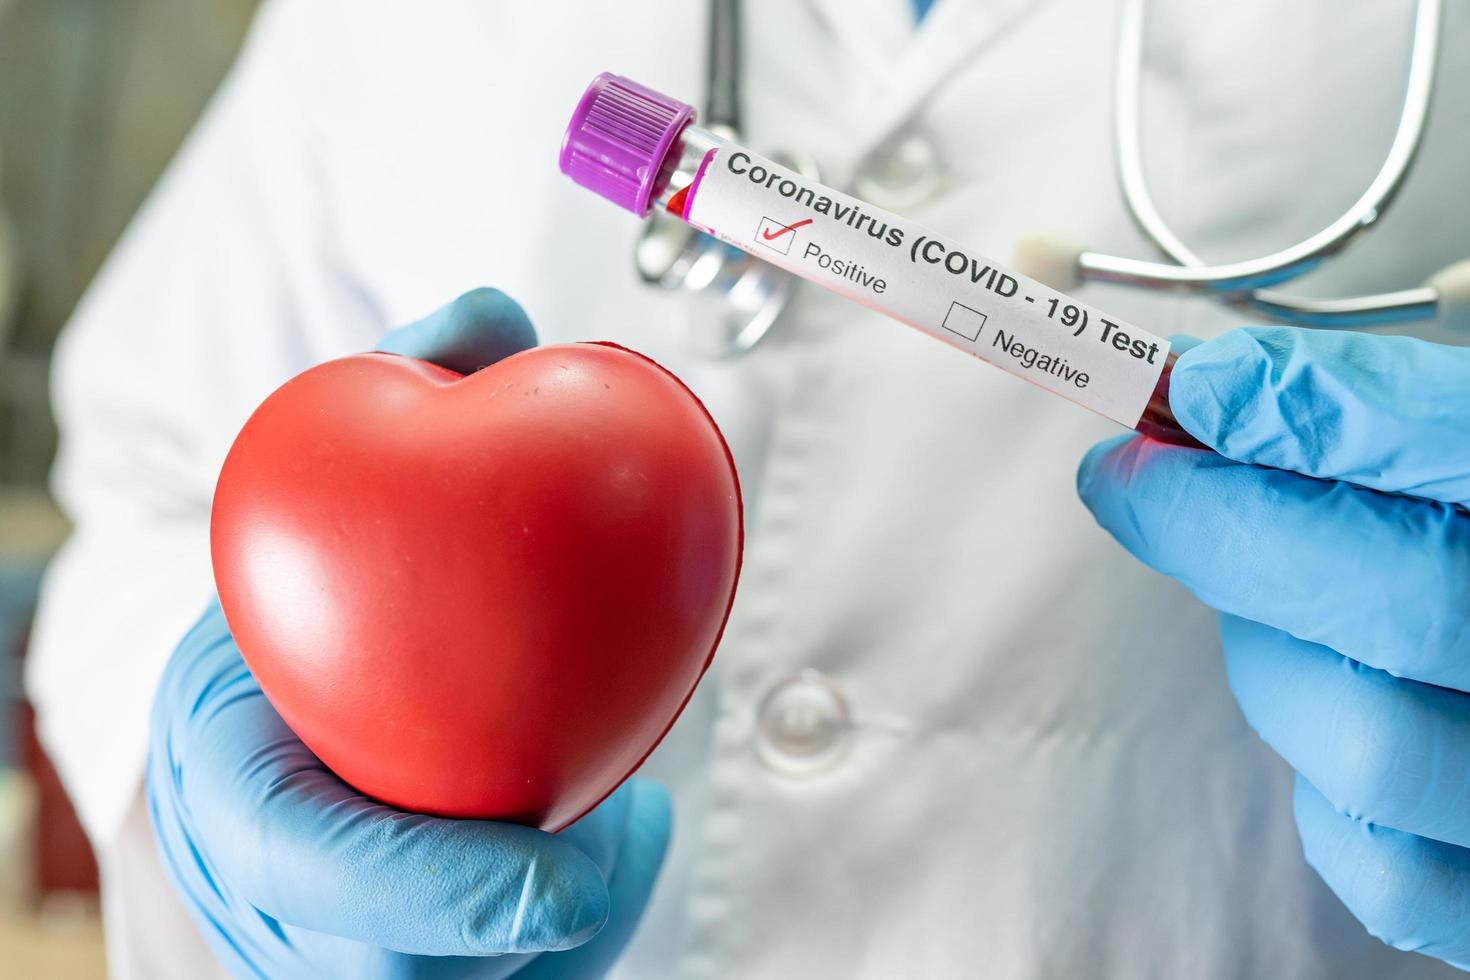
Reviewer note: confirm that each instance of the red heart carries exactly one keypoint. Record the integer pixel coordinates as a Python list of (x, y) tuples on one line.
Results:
[(486, 595)]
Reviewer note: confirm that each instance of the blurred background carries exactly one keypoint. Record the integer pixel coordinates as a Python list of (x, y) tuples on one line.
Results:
[(95, 97)]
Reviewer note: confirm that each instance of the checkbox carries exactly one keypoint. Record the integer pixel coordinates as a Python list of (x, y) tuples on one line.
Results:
[(964, 321), (776, 235)]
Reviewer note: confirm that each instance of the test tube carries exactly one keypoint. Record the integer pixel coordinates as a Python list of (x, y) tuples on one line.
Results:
[(642, 150)]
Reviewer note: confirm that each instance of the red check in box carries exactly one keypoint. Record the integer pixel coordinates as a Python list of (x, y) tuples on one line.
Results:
[(778, 236)]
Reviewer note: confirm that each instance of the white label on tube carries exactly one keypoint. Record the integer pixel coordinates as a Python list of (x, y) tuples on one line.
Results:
[(928, 282)]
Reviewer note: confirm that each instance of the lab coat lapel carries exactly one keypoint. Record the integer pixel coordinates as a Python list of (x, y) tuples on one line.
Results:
[(874, 33), (898, 64)]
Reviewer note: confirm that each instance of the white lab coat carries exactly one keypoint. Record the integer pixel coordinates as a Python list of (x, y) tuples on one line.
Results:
[(1048, 776)]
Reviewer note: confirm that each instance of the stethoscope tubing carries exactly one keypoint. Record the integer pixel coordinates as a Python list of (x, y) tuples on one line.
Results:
[(1240, 283), (1243, 284)]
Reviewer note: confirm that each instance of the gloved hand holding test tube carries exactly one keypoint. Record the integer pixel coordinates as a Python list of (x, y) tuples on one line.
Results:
[(642, 150), (1336, 496)]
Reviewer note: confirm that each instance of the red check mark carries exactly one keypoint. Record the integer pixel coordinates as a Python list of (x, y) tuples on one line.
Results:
[(771, 236)]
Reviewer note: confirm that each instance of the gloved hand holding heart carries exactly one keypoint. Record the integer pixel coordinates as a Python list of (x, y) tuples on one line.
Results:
[(486, 594)]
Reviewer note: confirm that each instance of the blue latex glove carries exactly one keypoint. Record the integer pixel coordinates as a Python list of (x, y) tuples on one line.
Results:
[(289, 872), (1331, 534)]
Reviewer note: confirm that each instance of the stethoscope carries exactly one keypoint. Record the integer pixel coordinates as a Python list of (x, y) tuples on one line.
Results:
[(736, 299)]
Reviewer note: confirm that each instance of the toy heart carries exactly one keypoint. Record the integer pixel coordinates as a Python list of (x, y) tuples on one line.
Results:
[(485, 595)]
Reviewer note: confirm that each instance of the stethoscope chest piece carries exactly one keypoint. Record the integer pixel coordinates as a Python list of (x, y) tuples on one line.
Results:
[(731, 300)]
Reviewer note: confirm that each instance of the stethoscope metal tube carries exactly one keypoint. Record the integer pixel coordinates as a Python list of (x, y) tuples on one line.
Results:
[(1244, 279), (722, 108)]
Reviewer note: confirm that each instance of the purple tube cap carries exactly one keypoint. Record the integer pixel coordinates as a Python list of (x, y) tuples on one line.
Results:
[(618, 138)]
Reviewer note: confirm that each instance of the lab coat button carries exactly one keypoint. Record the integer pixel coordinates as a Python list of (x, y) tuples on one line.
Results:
[(803, 725), (904, 175)]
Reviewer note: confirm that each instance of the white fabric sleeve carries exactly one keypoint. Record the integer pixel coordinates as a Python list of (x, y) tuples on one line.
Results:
[(226, 284)]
